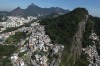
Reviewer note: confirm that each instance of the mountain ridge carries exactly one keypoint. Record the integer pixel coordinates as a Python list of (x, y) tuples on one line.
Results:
[(68, 30), (34, 10)]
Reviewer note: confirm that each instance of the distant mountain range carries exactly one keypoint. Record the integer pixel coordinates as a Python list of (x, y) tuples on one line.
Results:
[(34, 10)]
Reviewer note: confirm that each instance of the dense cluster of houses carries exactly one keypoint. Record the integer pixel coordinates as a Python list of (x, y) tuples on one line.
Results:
[(7, 34), (13, 21), (39, 47), (91, 51)]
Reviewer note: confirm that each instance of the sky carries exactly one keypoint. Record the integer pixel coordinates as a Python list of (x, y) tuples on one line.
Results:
[(93, 6)]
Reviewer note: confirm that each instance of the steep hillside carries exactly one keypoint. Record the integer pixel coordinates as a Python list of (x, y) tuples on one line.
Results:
[(68, 30), (96, 21)]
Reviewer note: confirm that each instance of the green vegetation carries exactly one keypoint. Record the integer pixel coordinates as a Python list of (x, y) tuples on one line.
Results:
[(5, 62), (97, 31), (98, 48), (97, 25), (86, 41), (26, 42), (1, 20), (14, 39), (22, 53), (83, 61), (62, 29), (15, 28), (10, 29), (5, 52), (1, 39), (92, 24)]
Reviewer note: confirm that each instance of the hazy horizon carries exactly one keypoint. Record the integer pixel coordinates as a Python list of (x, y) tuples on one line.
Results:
[(91, 5)]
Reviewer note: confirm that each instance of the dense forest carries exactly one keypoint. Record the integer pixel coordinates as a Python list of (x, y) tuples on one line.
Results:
[(92, 25), (5, 52), (86, 41), (96, 21), (62, 29), (14, 39)]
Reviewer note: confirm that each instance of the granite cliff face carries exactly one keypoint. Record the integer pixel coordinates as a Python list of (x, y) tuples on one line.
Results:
[(76, 48), (68, 30)]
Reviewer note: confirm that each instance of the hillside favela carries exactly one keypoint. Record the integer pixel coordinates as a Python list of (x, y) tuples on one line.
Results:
[(49, 33)]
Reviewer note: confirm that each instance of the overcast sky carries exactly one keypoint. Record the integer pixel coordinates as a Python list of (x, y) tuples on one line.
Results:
[(93, 6)]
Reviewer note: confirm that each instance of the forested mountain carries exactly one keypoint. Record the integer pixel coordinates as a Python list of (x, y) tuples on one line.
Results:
[(66, 23), (74, 30), (71, 29), (64, 29)]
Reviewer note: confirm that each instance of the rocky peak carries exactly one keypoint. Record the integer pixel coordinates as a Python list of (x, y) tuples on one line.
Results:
[(18, 8), (16, 12), (32, 5), (34, 10)]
